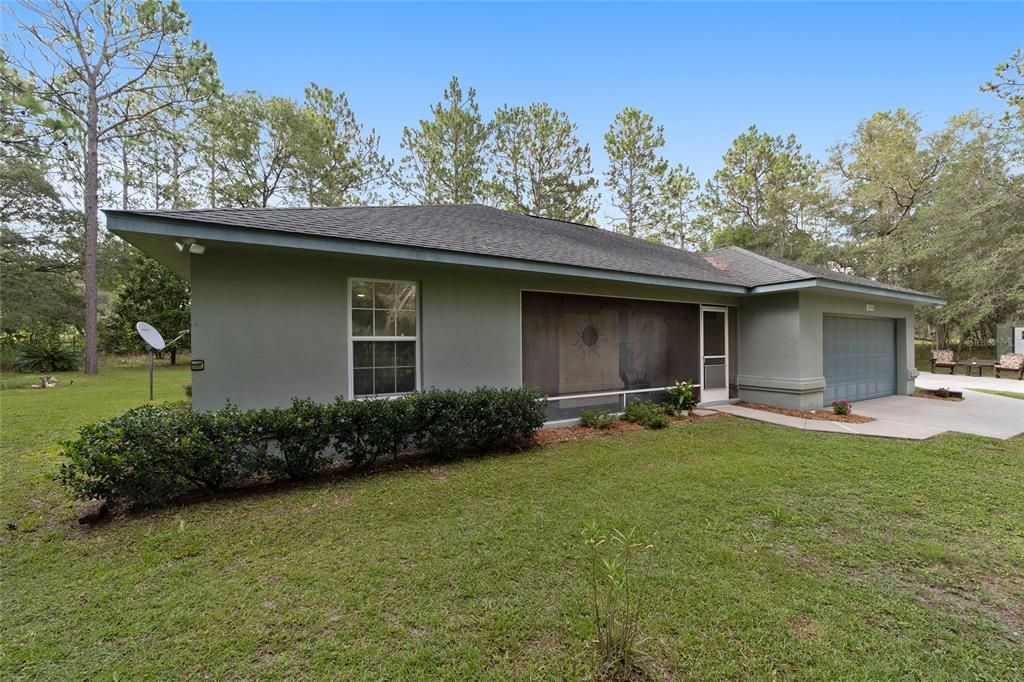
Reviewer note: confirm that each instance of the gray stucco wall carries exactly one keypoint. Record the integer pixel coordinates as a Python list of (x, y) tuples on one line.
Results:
[(781, 343), (271, 325)]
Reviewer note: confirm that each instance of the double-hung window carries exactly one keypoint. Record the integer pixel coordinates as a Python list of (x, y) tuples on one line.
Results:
[(385, 337)]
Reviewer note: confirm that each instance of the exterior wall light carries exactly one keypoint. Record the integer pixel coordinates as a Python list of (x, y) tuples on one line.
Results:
[(191, 245)]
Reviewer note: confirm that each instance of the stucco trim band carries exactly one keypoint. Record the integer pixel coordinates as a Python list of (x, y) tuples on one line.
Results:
[(798, 385)]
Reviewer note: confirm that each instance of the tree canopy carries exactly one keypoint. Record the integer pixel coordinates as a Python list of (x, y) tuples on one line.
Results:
[(113, 101), (767, 197), (151, 293), (635, 170), (540, 166), (446, 156)]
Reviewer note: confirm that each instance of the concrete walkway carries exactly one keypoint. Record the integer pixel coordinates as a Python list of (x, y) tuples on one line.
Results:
[(961, 382), (912, 418)]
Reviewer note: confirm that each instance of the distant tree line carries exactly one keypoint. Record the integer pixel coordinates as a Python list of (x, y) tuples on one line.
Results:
[(112, 103)]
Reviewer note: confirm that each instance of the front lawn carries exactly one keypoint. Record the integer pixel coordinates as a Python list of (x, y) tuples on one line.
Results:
[(779, 553)]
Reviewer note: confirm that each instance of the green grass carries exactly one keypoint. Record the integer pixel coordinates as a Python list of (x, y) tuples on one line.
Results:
[(1005, 394), (779, 553)]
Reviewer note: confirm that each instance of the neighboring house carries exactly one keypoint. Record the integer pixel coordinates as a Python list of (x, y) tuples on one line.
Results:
[(364, 301)]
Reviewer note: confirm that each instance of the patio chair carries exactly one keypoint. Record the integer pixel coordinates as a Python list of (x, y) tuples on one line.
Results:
[(1011, 362), (943, 358)]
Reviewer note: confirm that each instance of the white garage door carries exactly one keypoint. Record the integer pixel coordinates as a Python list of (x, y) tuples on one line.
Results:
[(859, 358)]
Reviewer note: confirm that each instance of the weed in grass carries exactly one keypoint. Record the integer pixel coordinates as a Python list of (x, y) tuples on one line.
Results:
[(620, 566)]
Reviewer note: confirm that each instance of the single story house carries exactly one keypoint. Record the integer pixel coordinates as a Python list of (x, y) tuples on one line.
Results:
[(379, 301)]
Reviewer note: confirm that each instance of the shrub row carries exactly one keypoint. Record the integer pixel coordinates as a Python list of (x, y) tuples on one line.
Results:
[(152, 454)]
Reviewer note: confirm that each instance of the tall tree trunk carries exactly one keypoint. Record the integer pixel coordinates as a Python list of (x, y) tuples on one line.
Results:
[(156, 177), (91, 201), (124, 175), (175, 181)]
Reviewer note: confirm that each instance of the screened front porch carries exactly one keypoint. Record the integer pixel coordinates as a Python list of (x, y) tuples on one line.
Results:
[(586, 352)]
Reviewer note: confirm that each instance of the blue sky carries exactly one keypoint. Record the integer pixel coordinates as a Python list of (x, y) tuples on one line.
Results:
[(705, 71)]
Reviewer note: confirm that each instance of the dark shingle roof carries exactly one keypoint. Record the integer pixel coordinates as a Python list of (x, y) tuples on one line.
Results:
[(486, 231), (753, 269), (470, 229)]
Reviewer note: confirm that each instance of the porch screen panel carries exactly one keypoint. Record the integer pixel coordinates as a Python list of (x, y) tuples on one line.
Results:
[(734, 352), (587, 344)]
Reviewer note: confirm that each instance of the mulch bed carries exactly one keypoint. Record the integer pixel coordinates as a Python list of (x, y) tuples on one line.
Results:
[(954, 396), (819, 415), (549, 435)]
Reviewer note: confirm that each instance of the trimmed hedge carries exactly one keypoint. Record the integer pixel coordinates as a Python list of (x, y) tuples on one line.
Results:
[(153, 454)]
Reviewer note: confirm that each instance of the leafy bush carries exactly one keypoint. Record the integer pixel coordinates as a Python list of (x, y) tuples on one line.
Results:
[(188, 390), (9, 346), (597, 418), (302, 432), (619, 567), (658, 421), (47, 355), (123, 457), (448, 423), (841, 407), (681, 396), (218, 449), (364, 430), (154, 453), (646, 414)]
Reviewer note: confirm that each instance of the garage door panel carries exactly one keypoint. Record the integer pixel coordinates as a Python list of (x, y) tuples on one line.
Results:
[(859, 358)]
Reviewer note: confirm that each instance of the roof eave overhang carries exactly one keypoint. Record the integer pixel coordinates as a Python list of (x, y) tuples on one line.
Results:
[(126, 224), (848, 288)]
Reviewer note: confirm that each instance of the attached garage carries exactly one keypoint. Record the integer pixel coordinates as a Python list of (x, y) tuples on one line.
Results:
[(859, 358)]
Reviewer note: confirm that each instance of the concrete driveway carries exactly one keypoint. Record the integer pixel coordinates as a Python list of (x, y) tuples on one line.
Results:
[(902, 416), (960, 382), (978, 413)]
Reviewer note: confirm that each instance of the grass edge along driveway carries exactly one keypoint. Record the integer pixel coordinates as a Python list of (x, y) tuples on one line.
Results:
[(778, 552)]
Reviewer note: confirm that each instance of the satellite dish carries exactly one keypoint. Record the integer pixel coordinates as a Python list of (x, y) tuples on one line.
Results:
[(150, 335)]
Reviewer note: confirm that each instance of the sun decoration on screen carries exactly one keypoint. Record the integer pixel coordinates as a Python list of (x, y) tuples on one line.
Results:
[(588, 338)]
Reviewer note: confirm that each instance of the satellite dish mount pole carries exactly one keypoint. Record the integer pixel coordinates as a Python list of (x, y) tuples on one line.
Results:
[(155, 343)]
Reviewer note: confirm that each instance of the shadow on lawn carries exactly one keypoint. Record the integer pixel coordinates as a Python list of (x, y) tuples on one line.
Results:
[(102, 513)]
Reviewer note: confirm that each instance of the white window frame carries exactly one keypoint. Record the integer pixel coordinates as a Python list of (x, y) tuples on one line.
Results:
[(352, 339)]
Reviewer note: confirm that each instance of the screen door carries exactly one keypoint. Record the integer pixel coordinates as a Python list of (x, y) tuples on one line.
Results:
[(714, 361)]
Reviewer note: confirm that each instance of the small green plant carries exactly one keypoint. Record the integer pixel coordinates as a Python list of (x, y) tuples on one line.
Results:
[(619, 566), (645, 414), (658, 421), (188, 390), (46, 356), (841, 407), (597, 418), (681, 397)]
